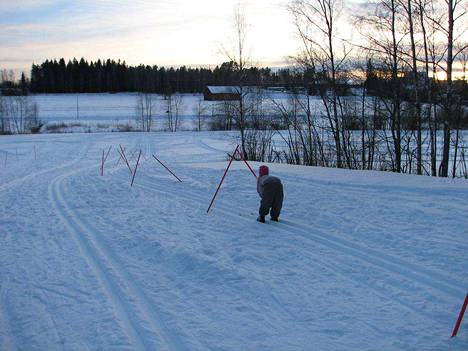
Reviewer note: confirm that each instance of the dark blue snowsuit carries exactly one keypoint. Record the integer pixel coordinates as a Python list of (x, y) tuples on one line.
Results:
[(270, 190)]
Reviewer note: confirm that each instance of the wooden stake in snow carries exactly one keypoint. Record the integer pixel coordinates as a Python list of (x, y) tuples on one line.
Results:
[(222, 179), (136, 167), (460, 317), (102, 163), (238, 152), (162, 164), (104, 158), (107, 154), (122, 155), (35, 153)]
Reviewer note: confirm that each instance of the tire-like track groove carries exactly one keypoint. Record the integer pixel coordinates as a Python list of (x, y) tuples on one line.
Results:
[(7, 340), (431, 279), (328, 264), (323, 263), (127, 298), (424, 276)]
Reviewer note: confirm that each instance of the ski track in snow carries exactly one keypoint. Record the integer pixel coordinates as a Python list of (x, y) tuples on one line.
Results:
[(19, 181), (7, 341), (374, 257), (431, 279), (99, 266), (322, 262), (9, 338), (148, 324), (411, 201), (128, 299), (378, 259)]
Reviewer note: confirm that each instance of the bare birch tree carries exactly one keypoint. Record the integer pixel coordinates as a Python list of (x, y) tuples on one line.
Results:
[(325, 54), (201, 110), (239, 56), (174, 106), (146, 110), (383, 29), (456, 13)]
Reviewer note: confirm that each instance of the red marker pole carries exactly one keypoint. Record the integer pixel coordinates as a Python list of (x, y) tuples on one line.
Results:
[(241, 154), (104, 158), (136, 166), (107, 154), (102, 163), (162, 164), (120, 157), (460, 317), (122, 154), (222, 179)]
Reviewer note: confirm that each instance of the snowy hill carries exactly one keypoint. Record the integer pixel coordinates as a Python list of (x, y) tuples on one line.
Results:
[(359, 260)]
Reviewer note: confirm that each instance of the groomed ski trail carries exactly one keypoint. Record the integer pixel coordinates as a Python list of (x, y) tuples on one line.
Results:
[(376, 258), (132, 307)]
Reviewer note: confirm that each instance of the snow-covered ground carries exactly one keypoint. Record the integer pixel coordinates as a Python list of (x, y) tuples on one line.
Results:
[(112, 110), (359, 261)]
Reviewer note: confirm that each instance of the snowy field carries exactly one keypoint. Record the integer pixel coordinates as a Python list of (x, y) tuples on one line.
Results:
[(113, 109), (121, 108), (359, 260), (103, 107)]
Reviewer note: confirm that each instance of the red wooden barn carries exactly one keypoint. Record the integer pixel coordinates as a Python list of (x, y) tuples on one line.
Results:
[(221, 93)]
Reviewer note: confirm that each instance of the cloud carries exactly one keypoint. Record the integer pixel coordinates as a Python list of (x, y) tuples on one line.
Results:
[(17, 6), (155, 32)]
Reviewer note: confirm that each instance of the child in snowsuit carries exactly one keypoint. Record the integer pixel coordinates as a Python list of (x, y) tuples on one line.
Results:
[(270, 190)]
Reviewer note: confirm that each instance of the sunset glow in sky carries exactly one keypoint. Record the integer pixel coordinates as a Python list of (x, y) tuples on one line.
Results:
[(162, 32)]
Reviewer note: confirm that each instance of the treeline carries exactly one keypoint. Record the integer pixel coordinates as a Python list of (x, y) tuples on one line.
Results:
[(75, 76)]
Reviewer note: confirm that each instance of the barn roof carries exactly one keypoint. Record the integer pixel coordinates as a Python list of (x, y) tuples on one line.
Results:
[(223, 89)]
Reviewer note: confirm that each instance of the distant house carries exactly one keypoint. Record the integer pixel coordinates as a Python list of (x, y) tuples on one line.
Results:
[(221, 93)]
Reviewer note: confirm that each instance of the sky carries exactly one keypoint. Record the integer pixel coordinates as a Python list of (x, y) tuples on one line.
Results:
[(161, 32)]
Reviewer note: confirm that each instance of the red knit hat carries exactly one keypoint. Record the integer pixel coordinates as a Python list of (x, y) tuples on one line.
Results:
[(263, 170)]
